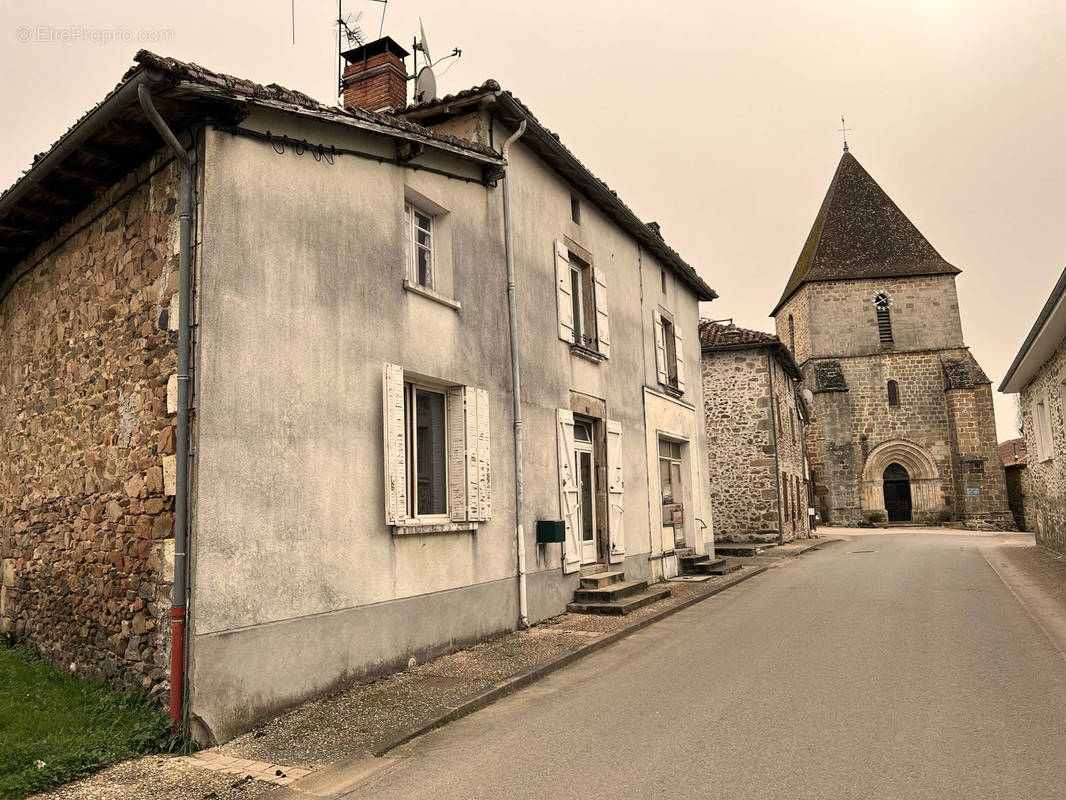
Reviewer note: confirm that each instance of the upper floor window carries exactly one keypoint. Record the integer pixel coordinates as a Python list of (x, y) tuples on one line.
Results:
[(1042, 423), (882, 303), (581, 297), (419, 243), (893, 393), (669, 353), (575, 209)]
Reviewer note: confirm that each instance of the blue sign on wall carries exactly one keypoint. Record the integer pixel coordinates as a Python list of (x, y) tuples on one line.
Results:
[(973, 491)]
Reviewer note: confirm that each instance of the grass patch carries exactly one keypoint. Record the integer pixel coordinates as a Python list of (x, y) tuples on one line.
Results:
[(55, 728)]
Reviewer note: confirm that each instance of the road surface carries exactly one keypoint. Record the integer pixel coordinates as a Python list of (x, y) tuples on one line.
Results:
[(889, 666)]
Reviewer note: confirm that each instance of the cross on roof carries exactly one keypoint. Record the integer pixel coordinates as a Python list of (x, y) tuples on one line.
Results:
[(844, 130)]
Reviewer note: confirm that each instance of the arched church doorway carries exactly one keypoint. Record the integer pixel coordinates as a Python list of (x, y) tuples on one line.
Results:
[(897, 493)]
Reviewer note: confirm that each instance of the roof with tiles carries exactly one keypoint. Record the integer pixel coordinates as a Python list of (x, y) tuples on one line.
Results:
[(861, 233), (1013, 453), (714, 337)]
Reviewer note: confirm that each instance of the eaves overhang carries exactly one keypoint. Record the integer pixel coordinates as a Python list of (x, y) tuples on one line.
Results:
[(1045, 337)]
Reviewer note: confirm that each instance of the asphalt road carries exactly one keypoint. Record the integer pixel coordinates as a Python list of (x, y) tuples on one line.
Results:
[(890, 666)]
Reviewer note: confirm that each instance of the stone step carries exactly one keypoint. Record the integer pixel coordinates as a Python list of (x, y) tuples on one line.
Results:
[(601, 579), (618, 607), (693, 558), (720, 566), (610, 592), (742, 549)]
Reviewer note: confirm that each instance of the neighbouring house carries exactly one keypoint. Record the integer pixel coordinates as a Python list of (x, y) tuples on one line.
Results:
[(756, 420), (1019, 493), (902, 426), (1038, 375), (345, 498)]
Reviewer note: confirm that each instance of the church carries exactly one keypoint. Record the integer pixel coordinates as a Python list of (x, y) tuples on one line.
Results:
[(903, 428)]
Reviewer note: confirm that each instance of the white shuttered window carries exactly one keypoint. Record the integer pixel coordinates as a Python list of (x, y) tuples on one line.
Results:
[(436, 452), (669, 352), (581, 300)]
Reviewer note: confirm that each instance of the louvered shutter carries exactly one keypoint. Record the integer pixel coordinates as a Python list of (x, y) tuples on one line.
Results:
[(615, 493), (679, 358), (660, 349), (395, 445), (458, 454), (603, 333), (563, 295), (479, 500), (568, 491)]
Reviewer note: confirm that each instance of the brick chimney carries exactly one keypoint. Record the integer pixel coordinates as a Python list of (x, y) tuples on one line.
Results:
[(375, 77)]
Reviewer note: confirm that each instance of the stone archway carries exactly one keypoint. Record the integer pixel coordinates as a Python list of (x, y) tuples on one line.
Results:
[(903, 457)]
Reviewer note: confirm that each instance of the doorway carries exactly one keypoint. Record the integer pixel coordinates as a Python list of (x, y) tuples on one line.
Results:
[(585, 461), (673, 493), (897, 493)]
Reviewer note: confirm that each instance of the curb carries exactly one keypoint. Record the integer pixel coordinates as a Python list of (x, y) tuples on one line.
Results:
[(522, 679)]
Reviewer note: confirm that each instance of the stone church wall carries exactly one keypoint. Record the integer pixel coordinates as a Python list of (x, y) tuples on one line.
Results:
[(1047, 468), (86, 526)]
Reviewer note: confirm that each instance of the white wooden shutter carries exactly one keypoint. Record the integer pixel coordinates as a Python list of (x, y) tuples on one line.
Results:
[(615, 494), (568, 491), (395, 445), (679, 358), (603, 333), (458, 454), (480, 481), (660, 349), (563, 295)]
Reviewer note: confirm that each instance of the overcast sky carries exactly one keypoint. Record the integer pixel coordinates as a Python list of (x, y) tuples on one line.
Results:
[(719, 120)]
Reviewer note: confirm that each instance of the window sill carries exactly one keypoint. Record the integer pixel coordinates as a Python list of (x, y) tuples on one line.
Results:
[(420, 527), (429, 294), (673, 391), (587, 353)]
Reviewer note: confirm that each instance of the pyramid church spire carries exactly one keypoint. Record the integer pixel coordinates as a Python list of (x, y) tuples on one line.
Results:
[(861, 233)]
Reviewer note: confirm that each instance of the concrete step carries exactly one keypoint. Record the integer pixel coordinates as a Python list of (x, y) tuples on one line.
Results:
[(742, 549), (693, 558), (625, 606), (601, 579), (610, 592)]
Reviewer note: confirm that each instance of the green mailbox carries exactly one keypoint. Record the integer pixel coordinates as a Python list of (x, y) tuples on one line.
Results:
[(550, 531)]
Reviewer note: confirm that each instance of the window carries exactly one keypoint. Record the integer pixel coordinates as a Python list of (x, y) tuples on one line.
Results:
[(1043, 431), (784, 495), (669, 352), (893, 393), (419, 242), (575, 209), (792, 425), (436, 452), (791, 334), (884, 321), (662, 279), (581, 298)]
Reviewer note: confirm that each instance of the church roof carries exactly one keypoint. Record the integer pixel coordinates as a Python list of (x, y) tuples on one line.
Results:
[(860, 233)]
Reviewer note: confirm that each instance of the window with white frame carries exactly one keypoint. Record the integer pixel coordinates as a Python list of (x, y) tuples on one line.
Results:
[(436, 451), (581, 299), (669, 352), (418, 228), (1042, 423)]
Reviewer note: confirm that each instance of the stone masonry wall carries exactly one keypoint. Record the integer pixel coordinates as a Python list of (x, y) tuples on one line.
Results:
[(745, 478), (798, 308), (86, 526), (794, 522), (1047, 466)]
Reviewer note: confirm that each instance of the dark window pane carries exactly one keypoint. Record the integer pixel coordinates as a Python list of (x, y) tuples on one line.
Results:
[(431, 458), (425, 275)]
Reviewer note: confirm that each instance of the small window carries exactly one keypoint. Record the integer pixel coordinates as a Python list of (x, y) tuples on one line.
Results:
[(662, 278), (583, 297), (792, 425), (575, 209), (419, 244), (1043, 431), (671, 351), (791, 334), (882, 303), (893, 393)]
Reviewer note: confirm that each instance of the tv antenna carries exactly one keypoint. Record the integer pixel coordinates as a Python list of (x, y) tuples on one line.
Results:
[(384, 8), (425, 78), (347, 29)]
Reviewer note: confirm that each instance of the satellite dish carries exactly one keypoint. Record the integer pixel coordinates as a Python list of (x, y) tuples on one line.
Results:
[(425, 85)]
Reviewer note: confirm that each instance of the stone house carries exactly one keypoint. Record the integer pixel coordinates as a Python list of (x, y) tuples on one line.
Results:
[(1038, 375), (756, 421), (902, 427), (327, 485), (1019, 488)]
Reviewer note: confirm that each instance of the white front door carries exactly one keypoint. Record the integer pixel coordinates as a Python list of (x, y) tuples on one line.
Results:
[(586, 478)]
